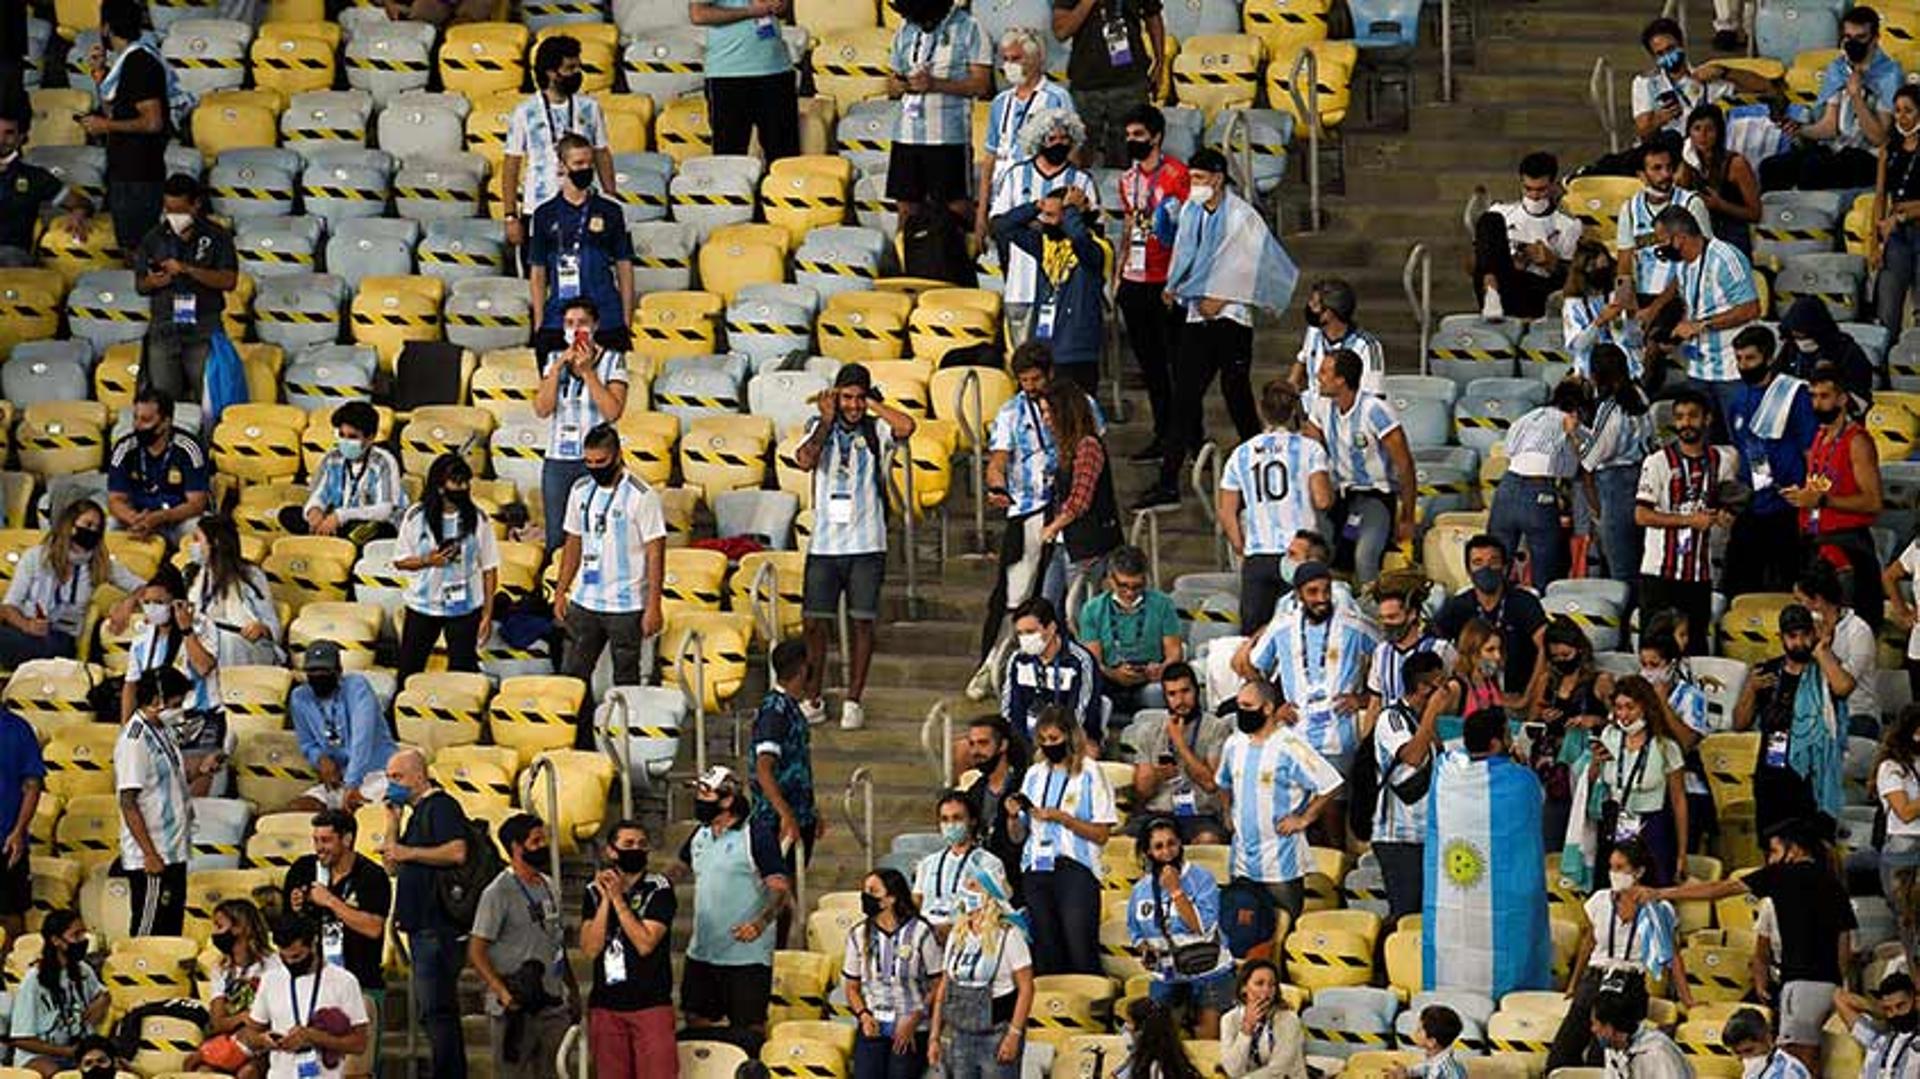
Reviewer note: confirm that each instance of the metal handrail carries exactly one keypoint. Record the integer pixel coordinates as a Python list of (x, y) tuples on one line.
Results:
[(909, 509), (1604, 95), (575, 1037), (1237, 124), (1145, 534), (621, 748), (940, 719), (545, 764), (1446, 50), (696, 642), (766, 582), (1308, 106), (1206, 463), (976, 430), (1420, 264), (862, 829), (1476, 205)]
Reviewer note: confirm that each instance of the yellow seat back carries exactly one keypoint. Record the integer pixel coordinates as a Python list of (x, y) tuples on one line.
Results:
[(478, 59), (534, 713)]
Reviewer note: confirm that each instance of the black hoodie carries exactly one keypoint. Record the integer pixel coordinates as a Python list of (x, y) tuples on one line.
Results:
[(1808, 317)]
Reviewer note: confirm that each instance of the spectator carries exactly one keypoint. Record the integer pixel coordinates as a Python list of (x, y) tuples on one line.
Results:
[(441, 13), (342, 731), (1772, 426), (1405, 740), (1173, 920), (1039, 169), (1050, 668), (433, 841), (186, 264), (999, 759), (132, 120), (1681, 500), (578, 249), (1154, 1038), (349, 898), (1642, 274), (26, 188), (58, 1001), (1119, 54), (893, 961), (1374, 482), (1592, 314), (1815, 340), (1514, 614), (1151, 192), (95, 1058), (740, 888), (1894, 247), (1435, 1034), (1399, 602), (1317, 655), (939, 877), (941, 59), (985, 993), (1273, 785), (171, 634), (1330, 313), (1896, 786), (452, 560), (1023, 72), (357, 494), (1613, 449), (1663, 663), (1574, 703), (1058, 231), (1797, 702), (1176, 759), (1083, 517), (23, 776), (519, 950), (1520, 249), (154, 782), (1853, 112), (157, 475), (1905, 567), (1022, 460), (530, 170), (1133, 633), (1638, 771), (1262, 1037), (848, 450), (1632, 1049), (243, 952), (1541, 459), (584, 386), (750, 78), (612, 568), (1062, 829), (1263, 502), (1887, 1042), (1819, 591), (626, 930), (783, 800), (1713, 282), (234, 593), (315, 1040), (1478, 679), (1841, 500), (1666, 95), (1750, 1036), (1723, 179)]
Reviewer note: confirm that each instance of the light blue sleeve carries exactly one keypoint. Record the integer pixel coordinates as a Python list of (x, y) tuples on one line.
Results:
[(307, 724), (26, 1013), (1138, 928), (996, 119), (1266, 654), (369, 731), (897, 57), (1234, 476), (1204, 891), (1832, 81), (1736, 280)]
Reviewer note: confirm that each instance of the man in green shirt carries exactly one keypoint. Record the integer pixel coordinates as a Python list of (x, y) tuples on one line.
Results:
[(1133, 632)]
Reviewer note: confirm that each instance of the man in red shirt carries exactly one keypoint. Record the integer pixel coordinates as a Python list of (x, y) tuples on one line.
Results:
[(1841, 500), (1151, 191)]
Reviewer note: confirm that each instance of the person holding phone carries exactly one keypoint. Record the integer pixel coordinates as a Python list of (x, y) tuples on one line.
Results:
[(454, 559), (154, 781), (307, 1016), (583, 386), (170, 634), (342, 733)]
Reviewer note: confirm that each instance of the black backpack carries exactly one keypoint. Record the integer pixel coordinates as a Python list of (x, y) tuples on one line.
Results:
[(460, 885), (933, 246)]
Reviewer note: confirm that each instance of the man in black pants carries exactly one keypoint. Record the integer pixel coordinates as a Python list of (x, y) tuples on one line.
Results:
[(154, 782), (1521, 248), (749, 76), (132, 121), (1152, 182), (1679, 504)]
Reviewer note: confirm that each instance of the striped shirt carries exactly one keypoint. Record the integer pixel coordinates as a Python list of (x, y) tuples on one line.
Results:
[(1781, 1065), (849, 512), (1618, 439), (574, 410), (1383, 674), (1021, 434), (1635, 233), (940, 876), (1442, 1065), (1313, 665), (1270, 471), (1071, 679), (1356, 442), (1268, 781), (1314, 348), (147, 761), (363, 490), (1538, 446), (1720, 280), (1085, 796), (147, 652), (534, 131), (1580, 331), (1153, 918), (1890, 1055), (1022, 183), (459, 587), (945, 52), (895, 970), (35, 592), (1672, 482), (1650, 1055), (614, 527), (1645, 945), (1394, 819), (1008, 112)]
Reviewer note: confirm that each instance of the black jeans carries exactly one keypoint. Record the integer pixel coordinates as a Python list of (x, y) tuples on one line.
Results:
[(1522, 294), (1219, 347), (1694, 600), (1152, 331), (1574, 1040), (174, 358), (438, 956), (1065, 907), (1403, 867), (767, 103), (1261, 586), (588, 632), (1763, 553), (1818, 167), (421, 631)]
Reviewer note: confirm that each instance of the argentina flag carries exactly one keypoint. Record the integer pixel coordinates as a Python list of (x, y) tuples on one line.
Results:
[(1230, 254), (1484, 927)]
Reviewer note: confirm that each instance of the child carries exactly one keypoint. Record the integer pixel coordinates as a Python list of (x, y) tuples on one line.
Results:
[(518, 523), (1748, 1036), (1439, 1029)]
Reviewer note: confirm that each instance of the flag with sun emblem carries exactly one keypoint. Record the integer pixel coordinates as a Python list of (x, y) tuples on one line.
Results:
[(1485, 922)]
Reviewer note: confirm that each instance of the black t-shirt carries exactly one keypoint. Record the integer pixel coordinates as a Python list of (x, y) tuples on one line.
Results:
[(1518, 616), (1090, 65), (206, 246), (138, 158), (24, 189), (437, 819), (649, 980), (365, 888), (1812, 910)]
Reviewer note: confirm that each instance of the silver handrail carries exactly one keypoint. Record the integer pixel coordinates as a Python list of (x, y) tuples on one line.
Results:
[(696, 642), (909, 509), (1206, 463), (1243, 157), (862, 828), (1605, 98), (1420, 265), (1476, 205), (939, 723), (976, 429), (1446, 50), (575, 1037), (1145, 534), (545, 764), (766, 582), (1308, 106), (621, 749)]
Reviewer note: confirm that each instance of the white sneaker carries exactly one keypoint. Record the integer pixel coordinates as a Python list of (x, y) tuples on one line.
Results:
[(1490, 308), (852, 716), (981, 686), (815, 710)]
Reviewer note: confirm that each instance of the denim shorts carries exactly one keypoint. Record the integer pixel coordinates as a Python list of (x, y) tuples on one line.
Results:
[(857, 576)]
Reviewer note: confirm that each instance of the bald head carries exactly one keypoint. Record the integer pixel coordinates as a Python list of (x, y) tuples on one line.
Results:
[(408, 768)]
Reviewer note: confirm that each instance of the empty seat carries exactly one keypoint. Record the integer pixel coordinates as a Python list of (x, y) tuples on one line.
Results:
[(104, 308), (347, 183), (28, 379), (257, 181), (275, 246), (388, 312), (676, 324), (666, 63), (629, 121), (484, 313), (839, 259), (663, 256), (324, 119), (236, 120), (710, 198), (768, 331), (1465, 348), (329, 375), (293, 58), (456, 249), (874, 210), (1489, 406), (853, 65), (296, 311), (477, 59), (693, 387), (1835, 279), (363, 248), (641, 180), (207, 55), (1216, 72), (532, 714), (725, 453), (1797, 223), (390, 59), (29, 306), (417, 123)]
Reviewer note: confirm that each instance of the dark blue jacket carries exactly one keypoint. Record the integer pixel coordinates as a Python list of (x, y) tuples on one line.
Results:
[(1079, 329)]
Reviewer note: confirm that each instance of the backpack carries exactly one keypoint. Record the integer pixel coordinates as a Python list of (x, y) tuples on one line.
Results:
[(1248, 919), (934, 247), (459, 886)]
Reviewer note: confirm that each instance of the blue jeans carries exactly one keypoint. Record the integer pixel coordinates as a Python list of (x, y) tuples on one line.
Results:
[(1362, 546), (1064, 905), (1620, 538), (1899, 265), (975, 1056), (17, 647), (438, 956), (874, 1058), (556, 482), (1530, 507)]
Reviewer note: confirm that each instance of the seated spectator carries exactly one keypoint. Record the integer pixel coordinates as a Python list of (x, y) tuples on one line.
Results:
[(94, 1058), (1642, 274), (939, 877), (1666, 94), (1176, 759), (307, 1016), (52, 587), (1435, 1035), (1853, 112), (58, 1000), (1262, 1037), (1723, 179), (1809, 337), (235, 594), (1513, 612), (1059, 231), (187, 265), (1893, 249), (1750, 1037), (171, 634), (1049, 667), (244, 953), (1886, 1041), (1592, 314), (1173, 920), (1623, 931), (1520, 249), (356, 492), (1133, 632), (157, 476), (25, 188), (342, 734)]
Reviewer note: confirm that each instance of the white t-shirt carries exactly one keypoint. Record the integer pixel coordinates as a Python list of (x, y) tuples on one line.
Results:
[(1859, 653), (1556, 228), (282, 1006), (1910, 561), (1894, 776), (967, 965), (1648, 86)]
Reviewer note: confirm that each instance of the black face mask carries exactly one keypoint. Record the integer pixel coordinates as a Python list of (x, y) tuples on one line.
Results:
[(1250, 720), (1055, 153), (77, 952), (149, 436), (460, 500), (1857, 51), (86, 538), (1139, 149), (304, 966), (1565, 666), (869, 905), (1753, 376), (104, 1071), (1823, 416), (706, 812), (1667, 252), (1054, 231), (323, 685), (580, 178), (535, 855), (1600, 279), (631, 861), (1314, 316), (1055, 752), (568, 84), (992, 762), (606, 475), (223, 942), (1800, 655), (1902, 1024)]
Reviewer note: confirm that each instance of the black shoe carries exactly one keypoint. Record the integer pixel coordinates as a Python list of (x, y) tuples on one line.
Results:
[(1158, 497), (1726, 41), (1152, 452)]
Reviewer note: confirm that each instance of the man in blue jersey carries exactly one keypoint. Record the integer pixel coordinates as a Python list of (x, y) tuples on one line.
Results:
[(1273, 486)]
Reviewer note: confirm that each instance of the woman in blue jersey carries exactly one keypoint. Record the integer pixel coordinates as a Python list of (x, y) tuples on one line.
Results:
[(985, 993), (1062, 817), (1173, 919), (449, 550)]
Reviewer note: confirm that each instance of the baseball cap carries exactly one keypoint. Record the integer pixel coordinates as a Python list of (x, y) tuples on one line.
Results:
[(1310, 571), (322, 656), (718, 778)]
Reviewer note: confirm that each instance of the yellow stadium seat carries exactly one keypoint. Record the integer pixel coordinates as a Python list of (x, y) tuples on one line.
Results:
[(1596, 202), (827, 929), (1058, 1015), (53, 116), (1717, 974), (79, 759), (261, 361), (1894, 423), (1803, 77), (305, 569), (727, 267), (534, 713), (1335, 61), (789, 1057), (751, 232), (256, 452), (476, 783), (947, 319), (674, 324), (142, 970), (788, 570), (208, 888), (270, 770), (478, 59), (930, 451), (694, 579), (355, 627), (1858, 222), (1321, 959), (89, 830), (1213, 72), (165, 1045), (437, 710), (234, 125), (952, 392), (140, 555), (839, 1036), (682, 130), (29, 305), (629, 119), (584, 778), (1750, 629), (860, 334), (723, 641), (852, 65), (446, 429), (56, 438), (56, 885), (501, 390), (487, 128), (279, 840), (904, 384), (725, 453), (710, 1059), (1284, 26), (293, 58), (678, 506), (802, 201), (69, 254), (388, 312), (800, 981), (116, 378), (258, 511), (647, 441)]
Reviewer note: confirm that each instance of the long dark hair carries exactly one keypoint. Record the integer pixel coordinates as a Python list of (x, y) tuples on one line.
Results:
[(225, 566), (1564, 631), (1717, 165), (447, 468), (1072, 417), (1898, 746), (1156, 1041), (53, 975), (894, 883), (1613, 379)]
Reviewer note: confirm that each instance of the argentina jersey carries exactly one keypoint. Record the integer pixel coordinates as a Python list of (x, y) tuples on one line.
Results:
[(1021, 434), (574, 410), (614, 525), (147, 762), (1268, 782), (1356, 442), (849, 513), (1270, 472), (1085, 795), (457, 588), (148, 651), (1651, 275)]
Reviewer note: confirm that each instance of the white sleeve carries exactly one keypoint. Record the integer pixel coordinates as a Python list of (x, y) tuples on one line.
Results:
[(132, 765), (652, 520), (1102, 810), (573, 512), (1642, 95), (489, 546), (1653, 477)]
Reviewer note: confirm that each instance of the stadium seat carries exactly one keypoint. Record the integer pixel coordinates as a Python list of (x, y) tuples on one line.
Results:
[(390, 311), (709, 192), (436, 187), (105, 308), (534, 713), (1749, 631), (339, 184), (666, 63), (436, 710), (863, 327), (477, 59), (1284, 26), (835, 259), (386, 60), (694, 580), (417, 123), (851, 65), (294, 58), (663, 256), (54, 113), (455, 248), (725, 453), (276, 246), (647, 441), (1596, 202), (476, 777), (307, 569), (865, 134), (326, 119), (45, 371), (325, 376), (1835, 279), (1797, 223), (486, 313), (946, 319), (1218, 71), (60, 437), (652, 718), (299, 311), (207, 55), (584, 779), (1787, 29), (1488, 406), (147, 969), (255, 697), (79, 760), (1464, 348), (678, 325), (681, 131), (728, 266), (208, 889), (722, 644)]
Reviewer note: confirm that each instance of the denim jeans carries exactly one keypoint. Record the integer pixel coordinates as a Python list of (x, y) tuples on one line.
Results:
[(1365, 544), (874, 1058), (975, 1056), (1527, 506), (1899, 265), (556, 482), (438, 956), (1620, 538)]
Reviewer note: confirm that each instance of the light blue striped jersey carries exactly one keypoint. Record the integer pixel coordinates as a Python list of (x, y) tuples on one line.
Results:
[(364, 490), (1720, 280), (1618, 439), (1781, 1065), (1086, 796), (1373, 360), (945, 52), (1021, 433), (1155, 924), (1442, 1065), (457, 588), (38, 593), (1017, 185), (574, 413), (1384, 679), (1635, 233), (614, 524), (1270, 780), (939, 876), (1396, 820), (146, 760), (1538, 446), (1356, 442), (148, 651), (1008, 112), (1270, 472), (1579, 332), (1646, 944), (1313, 665), (1890, 1055), (534, 130), (849, 513)]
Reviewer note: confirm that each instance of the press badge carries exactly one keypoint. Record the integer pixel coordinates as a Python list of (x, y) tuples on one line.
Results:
[(186, 309), (590, 564), (912, 106), (456, 591), (1762, 475), (614, 961), (765, 27), (306, 1063), (1185, 803), (1137, 252), (567, 441), (333, 943), (567, 274), (1043, 322), (1119, 49), (1626, 826), (1777, 749), (1351, 530), (840, 509), (1043, 852)]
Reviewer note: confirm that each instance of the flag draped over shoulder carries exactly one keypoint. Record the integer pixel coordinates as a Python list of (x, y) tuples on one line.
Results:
[(1485, 923), (1230, 254)]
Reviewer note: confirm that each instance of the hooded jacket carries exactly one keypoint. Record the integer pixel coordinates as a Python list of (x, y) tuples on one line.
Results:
[(1808, 317)]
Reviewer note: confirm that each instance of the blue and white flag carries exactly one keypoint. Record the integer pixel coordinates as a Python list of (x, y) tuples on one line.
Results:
[(1776, 407), (1230, 254), (1484, 927)]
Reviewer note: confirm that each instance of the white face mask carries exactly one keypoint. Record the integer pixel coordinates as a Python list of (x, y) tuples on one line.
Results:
[(1200, 193), (1749, 1068), (1905, 133), (1806, 344), (1635, 727), (1656, 675), (1536, 207), (1657, 197), (1621, 881), (180, 223), (1013, 71), (1032, 644), (158, 614)]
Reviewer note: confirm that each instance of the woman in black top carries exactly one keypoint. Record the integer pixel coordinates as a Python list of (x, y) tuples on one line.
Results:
[(1573, 703), (1894, 247), (1724, 180)]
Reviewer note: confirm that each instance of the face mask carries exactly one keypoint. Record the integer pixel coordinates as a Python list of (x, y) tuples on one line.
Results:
[(157, 614), (1800, 655), (869, 905), (1032, 644), (1314, 316), (534, 856), (104, 1071), (1127, 603), (968, 900), (1055, 153), (180, 223), (1671, 60), (460, 500), (1753, 376), (1666, 252), (1536, 207), (1200, 193), (1489, 668), (77, 952), (1600, 278), (1905, 131), (569, 85), (1487, 579), (955, 833), (581, 179), (631, 861), (1053, 231), (351, 449), (990, 762), (1055, 752), (1750, 1069), (706, 812), (398, 794), (323, 685), (1139, 149), (297, 969), (1621, 881), (197, 552), (1565, 666), (1250, 720), (1656, 675), (1395, 630), (1823, 415), (606, 475), (148, 436), (1635, 727), (1806, 345), (1901, 1024), (1012, 72), (222, 943), (1691, 435), (86, 538), (1856, 50)]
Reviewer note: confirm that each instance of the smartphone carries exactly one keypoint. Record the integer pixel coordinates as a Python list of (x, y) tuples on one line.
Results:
[(581, 339)]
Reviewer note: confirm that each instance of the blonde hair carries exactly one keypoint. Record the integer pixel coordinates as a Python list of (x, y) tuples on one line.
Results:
[(59, 542)]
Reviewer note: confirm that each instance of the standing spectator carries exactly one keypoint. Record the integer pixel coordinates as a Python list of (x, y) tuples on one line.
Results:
[(584, 386), (740, 888), (1273, 785), (1262, 1038), (1317, 654), (750, 78), (156, 817), (1643, 275), (1514, 614), (1520, 249), (578, 248), (1749, 1035), (1810, 339), (893, 961), (1173, 920), (25, 188), (985, 993), (1330, 312), (1541, 459), (1797, 702), (1681, 500), (1151, 192), (1399, 602), (234, 593), (1637, 771), (1050, 669), (1631, 1048), (1853, 112), (1663, 663), (1896, 785), (1040, 168), (1023, 72), (1058, 232), (244, 950), (1592, 313), (783, 800), (1713, 283), (157, 475), (357, 492), (939, 877), (1063, 816), (58, 1001), (1133, 632), (940, 60), (999, 760), (1905, 567), (1177, 758), (171, 634), (132, 120), (349, 897), (1819, 591), (1772, 425), (1119, 53), (518, 948), (342, 731), (1612, 450), (1841, 500), (1723, 179), (626, 930), (186, 265), (1405, 742), (433, 841), (1083, 515), (1272, 486), (1022, 460), (1666, 95), (452, 560), (1887, 1042), (1574, 703), (612, 568), (23, 775), (1893, 249), (530, 171), (848, 451), (301, 1003), (1375, 489)]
